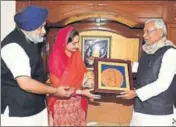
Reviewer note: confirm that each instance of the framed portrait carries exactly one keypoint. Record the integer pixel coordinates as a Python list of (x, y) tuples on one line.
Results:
[(94, 47), (112, 76)]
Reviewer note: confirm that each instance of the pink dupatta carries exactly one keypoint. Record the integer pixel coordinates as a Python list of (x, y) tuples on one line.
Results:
[(69, 71)]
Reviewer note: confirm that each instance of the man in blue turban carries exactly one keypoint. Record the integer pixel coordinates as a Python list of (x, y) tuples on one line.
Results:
[(32, 21), (22, 75)]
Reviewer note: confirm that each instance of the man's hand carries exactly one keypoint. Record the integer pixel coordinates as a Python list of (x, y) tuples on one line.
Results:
[(87, 92), (128, 94), (64, 91)]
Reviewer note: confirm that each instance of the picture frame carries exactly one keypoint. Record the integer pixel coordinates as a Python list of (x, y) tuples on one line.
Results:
[(94, 47), (112, 76)]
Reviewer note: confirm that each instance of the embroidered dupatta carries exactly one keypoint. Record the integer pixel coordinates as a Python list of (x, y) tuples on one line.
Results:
[(67, 71)]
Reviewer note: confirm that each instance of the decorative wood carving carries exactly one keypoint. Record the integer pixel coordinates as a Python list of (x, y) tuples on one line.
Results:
[(111, 27), (105, 15), (134, 11)]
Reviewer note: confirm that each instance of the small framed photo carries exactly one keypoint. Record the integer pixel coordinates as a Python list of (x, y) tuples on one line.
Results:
[(112, 76), (94, 47)]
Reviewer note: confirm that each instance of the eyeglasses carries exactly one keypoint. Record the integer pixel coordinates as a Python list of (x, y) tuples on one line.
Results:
[(149, 31)]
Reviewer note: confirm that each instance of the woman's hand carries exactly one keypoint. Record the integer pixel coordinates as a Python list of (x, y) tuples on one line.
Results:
[(87, 93)]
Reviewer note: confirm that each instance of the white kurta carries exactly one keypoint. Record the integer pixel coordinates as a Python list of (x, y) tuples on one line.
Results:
[(39, 119), (18, 63), (165, 77)]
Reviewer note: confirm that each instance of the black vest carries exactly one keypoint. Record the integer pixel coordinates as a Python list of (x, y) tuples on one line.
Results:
[(148, 70), (20, 102)]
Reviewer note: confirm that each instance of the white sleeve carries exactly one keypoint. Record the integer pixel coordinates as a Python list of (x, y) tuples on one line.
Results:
[(165, 77), (135, 66), (16, 60)]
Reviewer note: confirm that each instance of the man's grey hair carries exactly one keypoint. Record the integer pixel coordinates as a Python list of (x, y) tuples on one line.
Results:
[(159, 24)]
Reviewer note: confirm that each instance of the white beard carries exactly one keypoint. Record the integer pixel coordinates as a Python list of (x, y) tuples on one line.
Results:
[(35, 38)]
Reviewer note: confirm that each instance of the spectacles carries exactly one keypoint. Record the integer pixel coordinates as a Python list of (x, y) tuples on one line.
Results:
[(149, 31)]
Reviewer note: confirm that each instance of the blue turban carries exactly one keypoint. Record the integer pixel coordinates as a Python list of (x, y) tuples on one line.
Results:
[(31, 18)]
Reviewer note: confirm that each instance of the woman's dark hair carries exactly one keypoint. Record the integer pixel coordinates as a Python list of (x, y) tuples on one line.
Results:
[(72, 35)]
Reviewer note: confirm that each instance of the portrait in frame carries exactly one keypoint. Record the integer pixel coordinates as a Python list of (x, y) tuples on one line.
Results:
[(94, 47), (112, 76)]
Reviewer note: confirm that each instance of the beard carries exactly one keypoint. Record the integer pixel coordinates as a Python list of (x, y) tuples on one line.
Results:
[(35, 38)]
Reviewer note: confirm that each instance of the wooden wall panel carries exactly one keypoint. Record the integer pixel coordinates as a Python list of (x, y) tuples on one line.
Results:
[(171, 20), (140, 10), (135, 10), (21, 5), (171, 12), (172, 32), (112, 110), (60, 10)]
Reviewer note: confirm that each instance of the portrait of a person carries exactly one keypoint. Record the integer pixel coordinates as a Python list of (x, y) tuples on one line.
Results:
[(95, 48)]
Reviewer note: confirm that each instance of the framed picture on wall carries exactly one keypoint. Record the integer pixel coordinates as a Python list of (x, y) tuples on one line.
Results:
[(112, 76), (94, 47)]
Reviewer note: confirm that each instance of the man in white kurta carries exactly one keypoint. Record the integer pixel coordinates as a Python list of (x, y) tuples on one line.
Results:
[(155, 38), (22, 77)]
